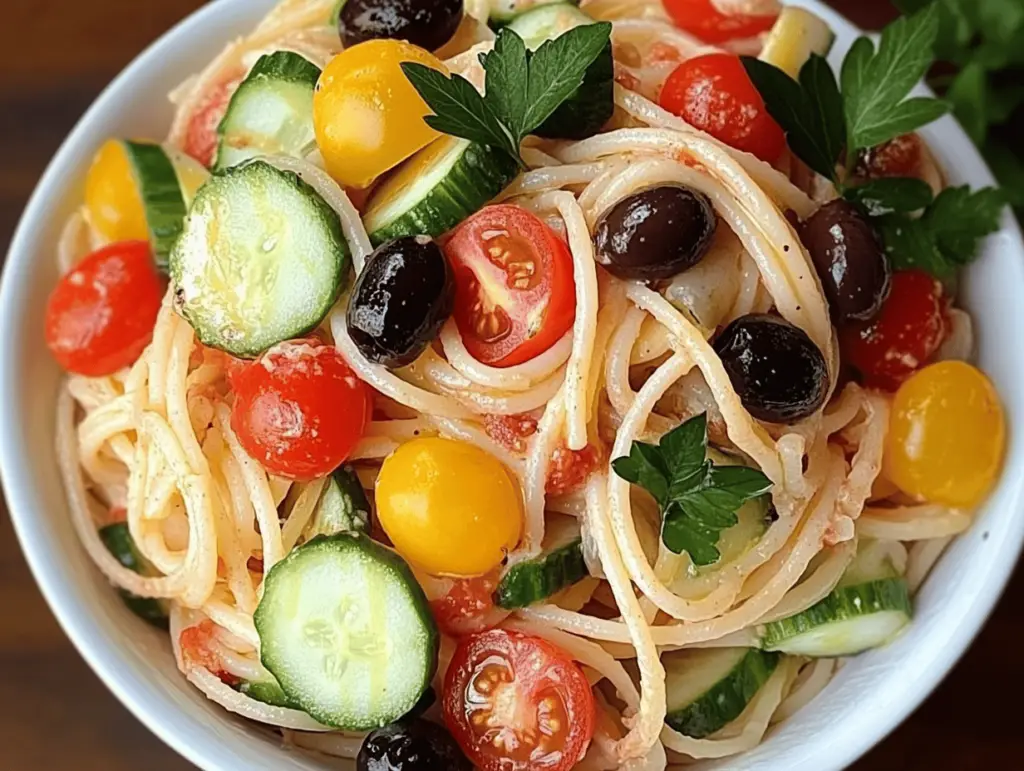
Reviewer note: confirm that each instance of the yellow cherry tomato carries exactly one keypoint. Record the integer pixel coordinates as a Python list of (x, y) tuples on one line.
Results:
[(947, 435), (449, 507), (112, 196), (367, 115)]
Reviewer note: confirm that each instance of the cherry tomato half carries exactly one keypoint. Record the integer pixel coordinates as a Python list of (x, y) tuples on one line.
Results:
[(468, 605), (703, 20), (517, 703), (714, 93), (300, 410), (515, 294), (100, 316), (903, 337)]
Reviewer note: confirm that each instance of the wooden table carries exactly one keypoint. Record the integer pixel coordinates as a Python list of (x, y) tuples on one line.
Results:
[(55, 57)]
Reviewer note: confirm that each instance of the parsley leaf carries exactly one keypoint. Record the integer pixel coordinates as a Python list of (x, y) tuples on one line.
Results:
[(698, 499), (876, 84), (809, 111), (891, 194), (522, 89)]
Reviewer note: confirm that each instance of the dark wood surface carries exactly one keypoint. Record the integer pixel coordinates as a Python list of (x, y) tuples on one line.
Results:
[(55, 57)]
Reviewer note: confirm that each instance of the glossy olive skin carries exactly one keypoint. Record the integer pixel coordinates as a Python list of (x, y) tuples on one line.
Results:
[(655, 233), (428, 24), (779, 373), (415, 745), (400, 301), (850, 258)]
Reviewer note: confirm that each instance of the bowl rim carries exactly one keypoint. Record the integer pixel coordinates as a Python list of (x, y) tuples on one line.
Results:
[(81, 627)]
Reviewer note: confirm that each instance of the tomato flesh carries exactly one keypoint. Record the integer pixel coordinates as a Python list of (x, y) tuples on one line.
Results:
[(515, 290), (905, 335), (300, 410), (468, 606), (101, 314), (703, 20), (515, 702), (714, 93), (201, 138), (570, 469), (195, 642)]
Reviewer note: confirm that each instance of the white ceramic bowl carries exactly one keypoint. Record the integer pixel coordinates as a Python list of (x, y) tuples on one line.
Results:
[(869, 697)]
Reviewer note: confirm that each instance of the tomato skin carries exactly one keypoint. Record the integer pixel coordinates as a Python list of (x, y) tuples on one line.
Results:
[(299, 410), (101, 314), (905, 335), (714, 93), (703, 20), (504, 687), (947, 435), (507, 318), (468, 606)]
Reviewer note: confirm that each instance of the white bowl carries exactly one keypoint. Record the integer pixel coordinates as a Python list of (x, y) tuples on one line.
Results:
[(869, 697)]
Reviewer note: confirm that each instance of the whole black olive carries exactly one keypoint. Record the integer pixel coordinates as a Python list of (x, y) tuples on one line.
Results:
[(416, 745), (426, 23), (850, 259), (779, 373), (656, 233), (401, 300)]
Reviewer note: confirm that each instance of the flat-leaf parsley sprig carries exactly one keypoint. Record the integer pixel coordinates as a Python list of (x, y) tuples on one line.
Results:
[(698, 499), (522, 89), (829, 123)]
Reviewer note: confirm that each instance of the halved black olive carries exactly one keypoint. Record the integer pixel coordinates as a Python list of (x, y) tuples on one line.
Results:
[(656, 233), (850, 259), (779, 373), (413, 745), (426, 23), (400, 301)]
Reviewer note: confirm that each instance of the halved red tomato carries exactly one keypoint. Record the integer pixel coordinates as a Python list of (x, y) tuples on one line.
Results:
[(515, 293), (703, 20), (468, 605), (518, 703)]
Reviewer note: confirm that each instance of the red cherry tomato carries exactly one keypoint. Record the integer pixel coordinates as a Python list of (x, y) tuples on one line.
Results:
[(468, 606), (899, 157), (903, 337), (300, 410), (515, 294), (703, 20), (714, 93), (570, 469), (517, 703), (100, 316), (201, 138)]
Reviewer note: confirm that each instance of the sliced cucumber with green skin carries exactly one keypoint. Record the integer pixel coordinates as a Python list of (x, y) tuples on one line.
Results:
[(161, 196), (271, 112), (437, 189), (346, 630), (267, 692), (708, 688), (503, 12), (850, 620), (336, 13), (754, 518), (343, 507), (592, 105), (559, 565), (118, 540), (261, 259)]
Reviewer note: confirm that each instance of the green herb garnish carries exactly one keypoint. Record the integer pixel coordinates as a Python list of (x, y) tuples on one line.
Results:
[(522, 89), (698, 499)]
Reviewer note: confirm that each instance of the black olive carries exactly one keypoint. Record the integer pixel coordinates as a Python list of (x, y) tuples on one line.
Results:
[(656, 233), (416, 745), (426, 23), (401, 300), (850, 259), (779, 373)]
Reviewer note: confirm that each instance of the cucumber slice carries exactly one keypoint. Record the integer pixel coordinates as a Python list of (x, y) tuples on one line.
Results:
[(592, 105), (342, 508), (347, 632), (559, 565), (437, 189), (266, 691), (797, 34), (504, 11), (336, 13), (874, 561), (161, 195), (708, 688), (271, 112), (261, 259), (118, 540), (754, 518), (851, 620)]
